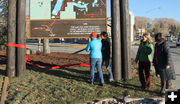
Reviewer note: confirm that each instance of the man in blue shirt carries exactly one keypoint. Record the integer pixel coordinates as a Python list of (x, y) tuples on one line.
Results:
[(94, 46)]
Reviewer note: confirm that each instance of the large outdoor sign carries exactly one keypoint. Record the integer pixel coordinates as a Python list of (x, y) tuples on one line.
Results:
[(67, 18)]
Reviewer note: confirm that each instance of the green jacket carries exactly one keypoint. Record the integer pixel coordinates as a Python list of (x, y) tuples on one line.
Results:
[(144, 52)]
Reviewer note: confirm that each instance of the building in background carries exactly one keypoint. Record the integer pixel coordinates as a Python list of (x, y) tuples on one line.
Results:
[(132, 22), (27, 26), (109, 27)]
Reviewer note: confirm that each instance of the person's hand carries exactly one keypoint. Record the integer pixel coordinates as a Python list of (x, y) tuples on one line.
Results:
[(167, 67), (135, 62), (89, 39)]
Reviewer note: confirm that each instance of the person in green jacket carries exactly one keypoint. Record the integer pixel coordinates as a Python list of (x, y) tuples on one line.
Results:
[(144, 57)]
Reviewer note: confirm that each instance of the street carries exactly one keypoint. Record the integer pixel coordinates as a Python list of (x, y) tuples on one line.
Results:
[(175, 52)]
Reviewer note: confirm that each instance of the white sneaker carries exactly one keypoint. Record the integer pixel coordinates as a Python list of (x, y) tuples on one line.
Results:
[(111, 80)]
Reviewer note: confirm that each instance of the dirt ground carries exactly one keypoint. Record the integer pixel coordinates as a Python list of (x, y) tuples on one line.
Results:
[(58, 58), (52, 58)]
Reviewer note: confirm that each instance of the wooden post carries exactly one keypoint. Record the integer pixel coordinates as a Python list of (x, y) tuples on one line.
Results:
[(11, 53), (125, 34), (46, 48), (116, 40), (21, 64), (4, 90), (39, 45)]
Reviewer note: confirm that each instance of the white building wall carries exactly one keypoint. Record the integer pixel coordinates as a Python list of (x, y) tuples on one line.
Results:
[(132, 22)]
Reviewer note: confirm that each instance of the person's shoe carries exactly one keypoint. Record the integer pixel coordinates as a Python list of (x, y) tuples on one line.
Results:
[(91, 83), (162, 92), (147, 88), (102, 84), (111, 80), (143, 87), (172, 87)]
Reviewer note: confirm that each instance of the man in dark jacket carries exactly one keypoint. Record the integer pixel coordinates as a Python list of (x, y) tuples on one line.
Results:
[(162, 62), (106, 53)]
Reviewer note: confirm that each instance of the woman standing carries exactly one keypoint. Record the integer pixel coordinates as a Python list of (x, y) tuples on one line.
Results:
[(94, 46), (144, 58), (162, 62)]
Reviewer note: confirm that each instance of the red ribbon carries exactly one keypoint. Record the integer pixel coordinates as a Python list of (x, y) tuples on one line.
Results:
[(16, 45), (35, 65), (39, 67)]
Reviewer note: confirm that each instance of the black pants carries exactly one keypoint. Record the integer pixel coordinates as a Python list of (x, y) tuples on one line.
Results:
[(144, 74)]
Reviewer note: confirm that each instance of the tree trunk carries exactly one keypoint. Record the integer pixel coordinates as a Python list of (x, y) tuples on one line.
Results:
[(11, 51), (125, 39), (21, 63), (116, 40)]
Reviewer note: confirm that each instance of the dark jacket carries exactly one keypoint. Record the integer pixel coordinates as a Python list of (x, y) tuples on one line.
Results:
[(106, 48), (162, 58)]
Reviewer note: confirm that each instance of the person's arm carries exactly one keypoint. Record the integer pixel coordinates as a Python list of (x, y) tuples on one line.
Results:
[(137, 56), (88, 47), (148, 49), (154, 57), (108, 43), (103, 45), (167, 55)]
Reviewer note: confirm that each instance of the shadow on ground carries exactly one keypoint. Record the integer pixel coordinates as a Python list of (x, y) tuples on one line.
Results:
[(62, 72), (2, 59), (84, 76), (2, 62), (133, 87), (2, 72)]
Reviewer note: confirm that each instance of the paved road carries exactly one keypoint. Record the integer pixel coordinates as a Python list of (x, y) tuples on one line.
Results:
[(176, 60), (57, 47), (70, 48)]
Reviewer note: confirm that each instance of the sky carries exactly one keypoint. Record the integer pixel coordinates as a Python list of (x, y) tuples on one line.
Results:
[(152, 8), (156, 8)]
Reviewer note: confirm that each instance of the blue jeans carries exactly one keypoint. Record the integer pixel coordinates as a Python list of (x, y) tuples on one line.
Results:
[(108, 67), (96, 62)]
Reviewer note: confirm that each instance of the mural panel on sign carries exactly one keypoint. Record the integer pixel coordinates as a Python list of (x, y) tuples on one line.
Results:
[(67, 18)]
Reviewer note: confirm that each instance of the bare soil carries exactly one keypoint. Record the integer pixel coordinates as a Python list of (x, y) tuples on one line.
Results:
[(54, 58)]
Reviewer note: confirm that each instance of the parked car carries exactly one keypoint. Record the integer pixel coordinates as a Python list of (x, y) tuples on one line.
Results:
[(178, 41), (169, 38)]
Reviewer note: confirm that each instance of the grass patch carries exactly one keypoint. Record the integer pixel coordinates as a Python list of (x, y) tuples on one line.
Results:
[(71, 86)]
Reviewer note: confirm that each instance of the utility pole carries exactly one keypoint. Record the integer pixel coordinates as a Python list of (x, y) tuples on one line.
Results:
[(125, 39), (116, 40), (11, 51), (21, 63)]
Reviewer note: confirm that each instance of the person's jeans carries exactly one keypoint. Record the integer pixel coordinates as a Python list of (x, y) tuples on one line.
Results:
[(108, 67), (96, 62)]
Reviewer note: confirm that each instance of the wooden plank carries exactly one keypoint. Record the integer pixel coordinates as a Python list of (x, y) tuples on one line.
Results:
[(4, 90)]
